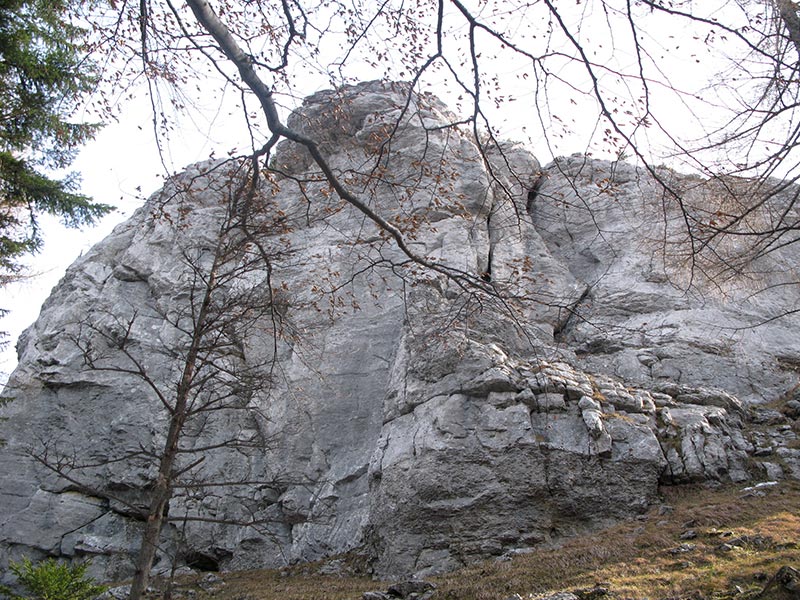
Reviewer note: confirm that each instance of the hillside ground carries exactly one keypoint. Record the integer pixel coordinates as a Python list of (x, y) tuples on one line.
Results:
[(698, 543)]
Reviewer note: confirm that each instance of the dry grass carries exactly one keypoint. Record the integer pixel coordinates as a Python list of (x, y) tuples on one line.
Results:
[(741, 539), (634, 558), (292, 585)]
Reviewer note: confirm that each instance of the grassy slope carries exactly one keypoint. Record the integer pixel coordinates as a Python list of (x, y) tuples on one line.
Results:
[(742, 539)]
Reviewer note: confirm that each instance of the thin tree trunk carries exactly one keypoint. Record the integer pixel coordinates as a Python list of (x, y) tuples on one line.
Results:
[(163, 488), (152, 532), (164, 483)]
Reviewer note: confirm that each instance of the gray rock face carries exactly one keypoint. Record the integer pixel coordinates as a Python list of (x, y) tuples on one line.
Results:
[(654, 312), (397, 414), (488, 469)]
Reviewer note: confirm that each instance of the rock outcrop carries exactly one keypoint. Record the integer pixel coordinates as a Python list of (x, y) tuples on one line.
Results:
[(402, 414)]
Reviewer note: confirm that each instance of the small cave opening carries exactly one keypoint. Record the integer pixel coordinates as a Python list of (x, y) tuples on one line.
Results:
[(202, 561)]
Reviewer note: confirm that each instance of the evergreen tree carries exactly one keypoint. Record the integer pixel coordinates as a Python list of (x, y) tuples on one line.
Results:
[(43, 77)]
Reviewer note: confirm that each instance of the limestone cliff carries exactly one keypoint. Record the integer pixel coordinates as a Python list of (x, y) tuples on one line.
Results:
[(406, 416)]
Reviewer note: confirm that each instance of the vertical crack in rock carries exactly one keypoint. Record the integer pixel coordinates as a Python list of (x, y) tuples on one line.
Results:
[(533, 193), (487, 274), (563, 326), (667, 474)]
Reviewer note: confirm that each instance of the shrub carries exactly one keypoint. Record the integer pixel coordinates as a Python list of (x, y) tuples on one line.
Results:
[(51, 580)]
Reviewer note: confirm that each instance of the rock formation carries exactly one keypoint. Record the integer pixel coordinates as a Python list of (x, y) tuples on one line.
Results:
[(403, 415)]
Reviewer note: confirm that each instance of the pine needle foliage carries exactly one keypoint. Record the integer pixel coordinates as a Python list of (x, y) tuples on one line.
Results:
[(43, 78), (53, 580)]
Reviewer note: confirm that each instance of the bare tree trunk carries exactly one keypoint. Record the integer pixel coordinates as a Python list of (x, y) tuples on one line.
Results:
[(152, 531), (162, 491), (164, 483)]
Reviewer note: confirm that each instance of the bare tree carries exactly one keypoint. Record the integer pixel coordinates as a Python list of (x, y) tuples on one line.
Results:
[(197, 373)]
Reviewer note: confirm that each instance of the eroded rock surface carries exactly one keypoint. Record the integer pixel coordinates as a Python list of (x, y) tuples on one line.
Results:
[(653, 311), (402, 416)]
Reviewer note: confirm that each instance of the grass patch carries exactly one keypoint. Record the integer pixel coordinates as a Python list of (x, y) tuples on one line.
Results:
[(292, 584)]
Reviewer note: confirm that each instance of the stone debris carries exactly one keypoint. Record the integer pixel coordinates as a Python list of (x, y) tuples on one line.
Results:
[(405, 590), (682, 549), (787, 578), (556, 596), (598, 591), (121, 592), (761, 485)]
